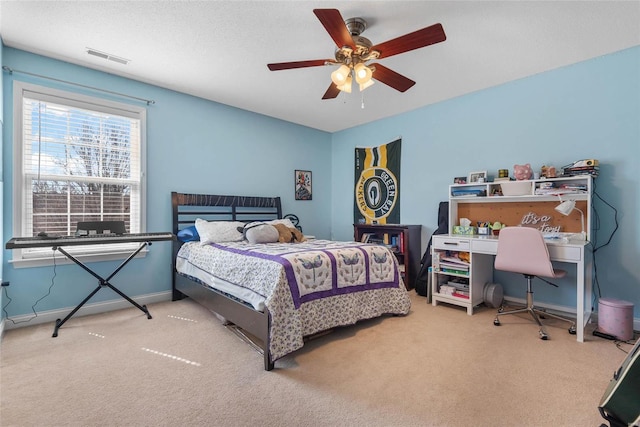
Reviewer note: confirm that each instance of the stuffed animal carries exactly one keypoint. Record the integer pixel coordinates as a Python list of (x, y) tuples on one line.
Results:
[(522, 172), (289, 234)]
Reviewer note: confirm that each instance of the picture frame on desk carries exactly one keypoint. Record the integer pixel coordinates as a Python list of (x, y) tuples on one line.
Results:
[(480, 176), (460, 180)]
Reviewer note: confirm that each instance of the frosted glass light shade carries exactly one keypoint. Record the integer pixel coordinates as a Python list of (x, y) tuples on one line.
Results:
[(363, 86), (346, 87), (363, 73), (339, 76)]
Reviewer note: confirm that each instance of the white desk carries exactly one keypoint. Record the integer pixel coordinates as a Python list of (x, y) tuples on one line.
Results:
[(482, 250)]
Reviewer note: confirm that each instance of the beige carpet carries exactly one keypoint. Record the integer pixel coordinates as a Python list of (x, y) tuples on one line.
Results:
[(435, 367)]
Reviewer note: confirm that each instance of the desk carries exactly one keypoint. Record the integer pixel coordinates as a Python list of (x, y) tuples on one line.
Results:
[(482, 250), (55, 242)]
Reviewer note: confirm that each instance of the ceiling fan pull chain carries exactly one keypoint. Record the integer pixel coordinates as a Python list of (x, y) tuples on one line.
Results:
[(362, 105)]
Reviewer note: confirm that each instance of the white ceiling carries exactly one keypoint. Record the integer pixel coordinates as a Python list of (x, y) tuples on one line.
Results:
[(218, 50)]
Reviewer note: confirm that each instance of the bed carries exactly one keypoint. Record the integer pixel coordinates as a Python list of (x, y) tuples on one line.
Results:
[(278, 293)]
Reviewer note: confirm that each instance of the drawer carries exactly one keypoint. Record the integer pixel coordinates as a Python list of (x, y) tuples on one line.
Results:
[(565, 253), (485, 246), (450, 243)]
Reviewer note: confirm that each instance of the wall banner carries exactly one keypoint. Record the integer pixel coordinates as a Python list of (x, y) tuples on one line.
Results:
[(377, 184)]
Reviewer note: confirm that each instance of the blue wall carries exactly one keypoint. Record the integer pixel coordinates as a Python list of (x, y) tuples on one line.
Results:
[(193, 145), (587, 110), (1, 165)]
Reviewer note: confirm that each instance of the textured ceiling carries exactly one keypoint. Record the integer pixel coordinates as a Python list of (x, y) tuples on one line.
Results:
[(218, 50)]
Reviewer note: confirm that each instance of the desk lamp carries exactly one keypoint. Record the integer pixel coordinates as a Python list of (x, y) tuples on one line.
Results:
[(568, 206)]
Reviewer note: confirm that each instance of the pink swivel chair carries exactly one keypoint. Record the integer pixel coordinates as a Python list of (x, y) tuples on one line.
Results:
[(523, 250)]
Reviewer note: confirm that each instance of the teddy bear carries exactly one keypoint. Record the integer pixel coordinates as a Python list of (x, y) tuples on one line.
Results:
[(522, 172), (288, 234)]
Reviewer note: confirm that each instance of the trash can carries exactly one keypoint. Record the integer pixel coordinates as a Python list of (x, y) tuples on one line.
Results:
[(615, 317)]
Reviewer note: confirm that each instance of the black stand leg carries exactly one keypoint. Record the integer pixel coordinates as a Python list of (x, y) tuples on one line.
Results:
[(61, 322), (103, 282)]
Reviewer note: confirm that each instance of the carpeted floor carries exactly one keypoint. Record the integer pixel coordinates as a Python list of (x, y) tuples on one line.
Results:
[(435, 367)]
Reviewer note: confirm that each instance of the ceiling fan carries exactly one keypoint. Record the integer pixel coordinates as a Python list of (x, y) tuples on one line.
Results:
[(353, 52)]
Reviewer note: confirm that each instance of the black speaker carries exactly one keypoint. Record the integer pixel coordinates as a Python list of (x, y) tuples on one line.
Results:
[(620, 404)]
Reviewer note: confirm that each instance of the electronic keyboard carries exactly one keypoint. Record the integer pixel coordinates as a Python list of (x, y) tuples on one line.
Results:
[(91, 239)]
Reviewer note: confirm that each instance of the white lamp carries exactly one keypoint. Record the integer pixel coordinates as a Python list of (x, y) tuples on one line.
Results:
[(568, 206)]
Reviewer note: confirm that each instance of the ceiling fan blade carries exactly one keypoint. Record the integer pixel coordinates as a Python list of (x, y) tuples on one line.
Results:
[(298, 64), (332, 92), (391, 78), (335, 26), (421, 38)]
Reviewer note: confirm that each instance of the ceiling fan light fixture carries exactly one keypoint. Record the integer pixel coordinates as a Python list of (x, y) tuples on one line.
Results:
[(363, 73), (339, 76), (352, 53), (346, 87)]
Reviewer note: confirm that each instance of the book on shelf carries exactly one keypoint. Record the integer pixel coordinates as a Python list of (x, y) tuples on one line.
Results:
[(454, 261), (386, 239), (447, 290), (454, 266), (366, 237), (458, 285), (453, 291), (454, 271)]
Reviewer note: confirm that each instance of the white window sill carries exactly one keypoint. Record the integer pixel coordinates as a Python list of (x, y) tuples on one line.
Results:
[(60, 259)]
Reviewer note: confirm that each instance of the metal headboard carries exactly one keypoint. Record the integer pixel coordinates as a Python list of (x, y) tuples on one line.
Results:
[(187, 207)]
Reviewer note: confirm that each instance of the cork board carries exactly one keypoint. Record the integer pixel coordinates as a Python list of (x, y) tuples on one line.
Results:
[(540, 215)]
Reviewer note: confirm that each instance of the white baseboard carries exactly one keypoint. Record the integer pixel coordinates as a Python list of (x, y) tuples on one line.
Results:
[(87, 309)]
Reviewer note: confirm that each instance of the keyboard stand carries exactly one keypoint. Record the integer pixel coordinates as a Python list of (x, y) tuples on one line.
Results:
[(102, 283)]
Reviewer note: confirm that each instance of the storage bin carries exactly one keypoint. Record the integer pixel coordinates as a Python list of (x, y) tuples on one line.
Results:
[(615, 317), (516, 188)]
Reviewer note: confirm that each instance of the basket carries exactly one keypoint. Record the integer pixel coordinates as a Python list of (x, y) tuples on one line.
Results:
[(516, 188)]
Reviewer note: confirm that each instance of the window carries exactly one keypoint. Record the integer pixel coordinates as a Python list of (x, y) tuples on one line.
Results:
[(76, 158)]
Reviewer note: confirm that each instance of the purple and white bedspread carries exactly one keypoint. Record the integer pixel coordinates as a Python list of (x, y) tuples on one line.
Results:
[(308, 287)]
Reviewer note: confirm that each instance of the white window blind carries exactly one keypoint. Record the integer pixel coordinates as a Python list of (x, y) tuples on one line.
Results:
[(81, 160)]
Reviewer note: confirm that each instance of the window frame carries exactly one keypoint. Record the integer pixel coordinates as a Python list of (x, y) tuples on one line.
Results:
[(89, 253)]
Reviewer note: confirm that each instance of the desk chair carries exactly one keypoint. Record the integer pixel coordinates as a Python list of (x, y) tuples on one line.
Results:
[(523, 250)]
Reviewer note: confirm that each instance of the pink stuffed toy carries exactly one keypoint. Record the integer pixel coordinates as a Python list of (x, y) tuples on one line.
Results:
[(522, 172)]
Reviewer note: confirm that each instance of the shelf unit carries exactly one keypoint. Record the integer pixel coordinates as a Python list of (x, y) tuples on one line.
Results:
[(404, 240), (482, 202), (480, 271)]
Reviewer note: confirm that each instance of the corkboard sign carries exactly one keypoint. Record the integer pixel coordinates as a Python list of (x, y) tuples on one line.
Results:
[(540, 215)]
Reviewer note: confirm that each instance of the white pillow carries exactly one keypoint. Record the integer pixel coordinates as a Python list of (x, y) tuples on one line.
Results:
[(260, 232), (219, 231)]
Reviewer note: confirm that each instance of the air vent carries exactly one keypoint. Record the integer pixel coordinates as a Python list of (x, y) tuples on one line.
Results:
[(107, 56)]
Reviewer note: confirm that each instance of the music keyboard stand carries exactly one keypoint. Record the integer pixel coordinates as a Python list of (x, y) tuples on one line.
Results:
[(102, 283), (55, 242)]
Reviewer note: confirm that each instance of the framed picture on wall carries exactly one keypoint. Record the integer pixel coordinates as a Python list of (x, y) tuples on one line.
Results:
[(477, 177), (303, 185)]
